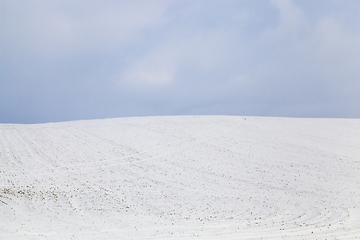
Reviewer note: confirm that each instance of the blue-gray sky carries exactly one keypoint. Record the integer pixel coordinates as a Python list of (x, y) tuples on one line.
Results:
[(66, 60)]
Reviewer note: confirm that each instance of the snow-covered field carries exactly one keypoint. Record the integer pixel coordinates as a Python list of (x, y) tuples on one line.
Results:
[(188, 177)]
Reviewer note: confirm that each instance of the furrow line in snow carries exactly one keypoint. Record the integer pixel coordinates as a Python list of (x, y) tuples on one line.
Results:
[(223, 132)]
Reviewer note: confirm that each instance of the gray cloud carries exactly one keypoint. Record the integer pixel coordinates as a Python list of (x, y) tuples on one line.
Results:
[(66, 60)]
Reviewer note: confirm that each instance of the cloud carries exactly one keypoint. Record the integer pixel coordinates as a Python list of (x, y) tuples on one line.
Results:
[(58, 27), (157, 68), (315, 55), (291, 17), (189, 51), (64, 60)]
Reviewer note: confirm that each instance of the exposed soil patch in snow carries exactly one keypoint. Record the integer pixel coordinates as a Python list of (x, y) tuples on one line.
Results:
[(206, 177)]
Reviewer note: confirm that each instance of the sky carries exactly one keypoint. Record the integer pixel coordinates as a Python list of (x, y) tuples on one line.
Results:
[(65, 60)]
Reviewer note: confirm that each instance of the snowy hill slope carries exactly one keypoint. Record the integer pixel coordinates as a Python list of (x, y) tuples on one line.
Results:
[(205, 177)]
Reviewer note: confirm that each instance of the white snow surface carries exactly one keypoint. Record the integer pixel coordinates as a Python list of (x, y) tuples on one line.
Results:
[(181, 177)]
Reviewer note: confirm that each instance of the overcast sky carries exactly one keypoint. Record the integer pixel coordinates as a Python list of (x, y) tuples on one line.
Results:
[(68, 60)]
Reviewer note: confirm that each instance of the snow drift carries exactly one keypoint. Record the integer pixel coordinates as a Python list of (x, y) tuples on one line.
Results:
[(206, 177)]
